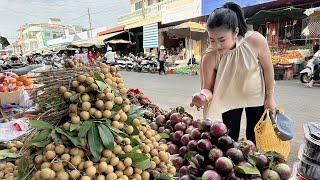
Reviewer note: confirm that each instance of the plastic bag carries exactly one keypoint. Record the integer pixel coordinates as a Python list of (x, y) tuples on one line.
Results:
[(13, 129)]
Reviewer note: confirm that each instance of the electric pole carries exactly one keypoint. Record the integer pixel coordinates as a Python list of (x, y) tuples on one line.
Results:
[(90, 23)]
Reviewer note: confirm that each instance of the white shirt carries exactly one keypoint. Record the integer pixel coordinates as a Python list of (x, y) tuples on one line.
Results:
[(109, 56)]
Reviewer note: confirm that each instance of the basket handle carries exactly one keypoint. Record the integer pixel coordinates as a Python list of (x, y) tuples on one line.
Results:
[(265, 113)]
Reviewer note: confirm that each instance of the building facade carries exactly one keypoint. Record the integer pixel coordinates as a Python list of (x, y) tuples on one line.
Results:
[(35, 36)]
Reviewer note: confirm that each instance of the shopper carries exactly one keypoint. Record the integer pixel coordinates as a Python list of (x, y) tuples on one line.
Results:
[(91, 58), (236, 72), (109, 57), (162, 59)]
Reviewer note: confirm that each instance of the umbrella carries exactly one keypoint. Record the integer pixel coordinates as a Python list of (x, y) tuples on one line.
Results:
[(264, 16), (190, 29)]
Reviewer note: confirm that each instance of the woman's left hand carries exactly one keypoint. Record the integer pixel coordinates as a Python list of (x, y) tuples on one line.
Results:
[(270, 103)]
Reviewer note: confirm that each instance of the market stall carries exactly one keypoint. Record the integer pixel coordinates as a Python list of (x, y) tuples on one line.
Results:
[(280, 26), (191, 37)]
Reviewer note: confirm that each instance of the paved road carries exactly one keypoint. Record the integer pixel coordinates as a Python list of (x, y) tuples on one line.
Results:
[(301, 104)]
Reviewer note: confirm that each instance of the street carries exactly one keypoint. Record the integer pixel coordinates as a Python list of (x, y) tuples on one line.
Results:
[(301, 104)]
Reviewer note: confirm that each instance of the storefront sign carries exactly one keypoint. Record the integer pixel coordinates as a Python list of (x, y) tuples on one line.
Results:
[(180, 10), (209, 5), (150, 36)]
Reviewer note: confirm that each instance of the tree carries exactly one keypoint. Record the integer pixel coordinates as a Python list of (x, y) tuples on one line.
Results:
[(4, 41)]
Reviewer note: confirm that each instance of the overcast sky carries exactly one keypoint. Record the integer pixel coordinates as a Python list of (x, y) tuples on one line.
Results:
[(14, 13)]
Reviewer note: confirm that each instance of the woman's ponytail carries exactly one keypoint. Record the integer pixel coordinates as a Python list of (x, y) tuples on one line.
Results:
[(242, 25)]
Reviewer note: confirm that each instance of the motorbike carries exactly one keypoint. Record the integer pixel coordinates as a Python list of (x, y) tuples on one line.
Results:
[(121, 65), (149, 65), (311, 67), (124, 64), (136, 65), (129, 66)]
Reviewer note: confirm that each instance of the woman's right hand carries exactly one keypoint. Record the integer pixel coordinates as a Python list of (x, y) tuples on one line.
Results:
[(200, 99)]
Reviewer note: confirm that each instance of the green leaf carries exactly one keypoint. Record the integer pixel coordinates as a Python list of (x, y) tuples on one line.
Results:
[(102, 85), (74, 127), (42, 135), (106, 136), (252, 159), (23, 167), (135, 130), (133, 116), (140, 160), (247, 170), (163, 176), (134, 109), (75, 140), (56, 138), (94, 141), (5, 153), (115, 130), (164, 135), (38, 124), (75, 98), (134, 141), (100, 82), (85, 128), (42, 143), (97, 76), (115, 110), (189, 155)]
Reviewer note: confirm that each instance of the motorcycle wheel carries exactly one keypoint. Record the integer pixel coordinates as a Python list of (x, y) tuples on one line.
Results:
[(304, 78), (153, 70)]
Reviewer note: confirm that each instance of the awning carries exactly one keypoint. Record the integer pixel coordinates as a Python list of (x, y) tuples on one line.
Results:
[(111, 30), (120, 41), (188, 29), (264, 16), (311, 29), (96, 41), (312, 11), (143, 22)]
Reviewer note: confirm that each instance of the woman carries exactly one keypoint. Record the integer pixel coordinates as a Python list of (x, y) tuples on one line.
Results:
[(91, 58), (236, 72), (162, 58)]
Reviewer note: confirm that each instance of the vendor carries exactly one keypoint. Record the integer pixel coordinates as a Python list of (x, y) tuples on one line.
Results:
[(192, 61), (109, 56), (236, 72)]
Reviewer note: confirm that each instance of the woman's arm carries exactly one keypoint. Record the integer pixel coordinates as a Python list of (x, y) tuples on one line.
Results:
[(208, 74), (264, 56)]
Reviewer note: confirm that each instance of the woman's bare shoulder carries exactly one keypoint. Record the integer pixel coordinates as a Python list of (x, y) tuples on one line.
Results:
[(256, 39)]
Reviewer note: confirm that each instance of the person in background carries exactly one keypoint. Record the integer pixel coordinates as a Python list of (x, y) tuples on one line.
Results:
[(162, 59), (85, 59), (316, 62), (192, 61), (109, 56), (77, 57), (91, 58)]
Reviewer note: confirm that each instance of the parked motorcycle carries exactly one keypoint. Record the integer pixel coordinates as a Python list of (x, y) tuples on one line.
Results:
[(312, 65), (149, 65), (124, 64), (137, 67), (121, 65)]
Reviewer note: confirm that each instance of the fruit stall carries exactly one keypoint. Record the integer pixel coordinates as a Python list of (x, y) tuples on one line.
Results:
[(84, 123), (287, 63)]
